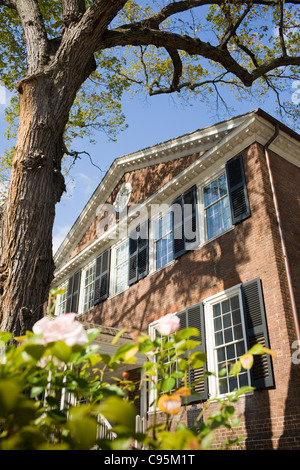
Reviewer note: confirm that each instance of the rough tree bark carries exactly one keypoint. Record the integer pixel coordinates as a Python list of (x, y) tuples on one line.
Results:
[(56, 69), (36, 185)]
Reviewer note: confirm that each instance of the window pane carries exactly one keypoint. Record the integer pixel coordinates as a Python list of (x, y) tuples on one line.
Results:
[(164, 241), (216, 203)]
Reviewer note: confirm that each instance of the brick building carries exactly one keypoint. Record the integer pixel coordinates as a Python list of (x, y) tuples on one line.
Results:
[(205, 226)]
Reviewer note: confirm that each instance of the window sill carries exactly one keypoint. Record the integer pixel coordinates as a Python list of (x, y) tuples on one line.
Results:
[(215, 238)]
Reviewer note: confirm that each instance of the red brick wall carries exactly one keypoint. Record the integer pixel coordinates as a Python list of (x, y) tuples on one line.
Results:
[(252, 249)]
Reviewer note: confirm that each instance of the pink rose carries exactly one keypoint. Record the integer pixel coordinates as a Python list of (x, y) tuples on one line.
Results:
[(168, 324), (63, 328)]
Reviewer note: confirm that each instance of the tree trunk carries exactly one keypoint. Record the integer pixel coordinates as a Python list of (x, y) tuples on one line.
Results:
[(36, 185)]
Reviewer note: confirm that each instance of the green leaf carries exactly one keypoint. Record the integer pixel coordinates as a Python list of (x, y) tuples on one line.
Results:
[(83, 427), (118, 411), (61, 350), (197, 359), (93, 333), (257, 349), (9, 396), (186, 333), (182, 364), (34, 350), (168, 384), (5, 337)]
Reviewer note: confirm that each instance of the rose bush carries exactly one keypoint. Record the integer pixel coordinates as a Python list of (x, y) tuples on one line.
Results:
[(53, 389)]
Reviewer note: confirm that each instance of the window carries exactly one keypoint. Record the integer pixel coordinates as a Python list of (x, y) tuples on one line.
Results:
[(184, 210), (235, 320), (163, 240), (121, 267), (138, 253), (89, 283), (228, 342), (61, 307), (216, 207), (229, 323), (102, 269), (73, 293)]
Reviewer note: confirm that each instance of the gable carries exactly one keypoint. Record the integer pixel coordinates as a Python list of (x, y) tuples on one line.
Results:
[(144, 183)]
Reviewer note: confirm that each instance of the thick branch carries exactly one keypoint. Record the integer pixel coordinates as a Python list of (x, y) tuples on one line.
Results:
[(34, 33), (136, 36), (73, 11)]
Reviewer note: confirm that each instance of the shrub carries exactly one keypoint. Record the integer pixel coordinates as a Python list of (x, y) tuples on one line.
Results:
[(53, 390)]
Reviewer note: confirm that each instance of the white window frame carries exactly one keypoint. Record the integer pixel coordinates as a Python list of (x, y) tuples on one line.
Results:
[(202, 223), (60, 300), (81, 309), (113, 271), (209, 330), (154, 241)]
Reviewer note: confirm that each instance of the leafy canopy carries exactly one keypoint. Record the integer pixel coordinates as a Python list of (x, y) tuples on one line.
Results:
[(193, 48)]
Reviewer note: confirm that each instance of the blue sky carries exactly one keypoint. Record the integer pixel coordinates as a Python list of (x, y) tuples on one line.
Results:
[(150, 121)]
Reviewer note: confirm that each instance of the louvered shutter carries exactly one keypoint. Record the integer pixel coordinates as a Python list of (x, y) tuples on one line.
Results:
[(237, 190), (193, 317), (73, 293), (178, 227), (256, 331), (138, 253), (190, 218), (184, 209), (143, 250), (102, 269)]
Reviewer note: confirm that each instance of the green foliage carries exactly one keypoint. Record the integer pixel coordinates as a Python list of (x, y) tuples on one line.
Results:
[(52, 394), (253, 34)]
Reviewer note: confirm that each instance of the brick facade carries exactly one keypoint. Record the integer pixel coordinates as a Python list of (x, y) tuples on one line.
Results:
[(270, 418)]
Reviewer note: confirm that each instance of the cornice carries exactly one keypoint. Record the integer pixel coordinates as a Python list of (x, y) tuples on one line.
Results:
[(232, 139)]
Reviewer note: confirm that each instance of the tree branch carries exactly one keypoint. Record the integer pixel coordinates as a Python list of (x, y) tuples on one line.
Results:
[(73, 11), (8, 3), (135, 35), (232, 29), (34, 33), (281, 34)]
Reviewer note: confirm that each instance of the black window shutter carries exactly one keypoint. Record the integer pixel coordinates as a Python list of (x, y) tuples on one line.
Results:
[(256, 330), (237, 190), (190, 218), (138, 253), (102, 268), (193, 317), (184, 209), (178, 227), (143, 250), (73, 293)]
